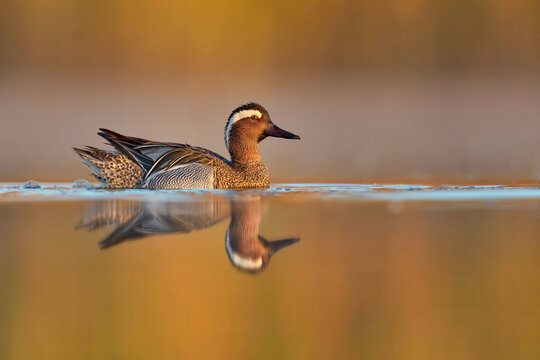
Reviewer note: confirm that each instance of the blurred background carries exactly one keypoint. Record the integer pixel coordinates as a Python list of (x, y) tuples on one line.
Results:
[(380, 91)]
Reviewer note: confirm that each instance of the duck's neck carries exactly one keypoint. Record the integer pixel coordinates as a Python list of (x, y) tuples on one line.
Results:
[(244, 151)]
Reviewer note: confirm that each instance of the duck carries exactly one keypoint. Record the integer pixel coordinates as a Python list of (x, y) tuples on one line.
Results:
[(140, 163)]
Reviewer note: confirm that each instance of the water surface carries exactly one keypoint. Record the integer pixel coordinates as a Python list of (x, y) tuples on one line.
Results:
[(296, 271)]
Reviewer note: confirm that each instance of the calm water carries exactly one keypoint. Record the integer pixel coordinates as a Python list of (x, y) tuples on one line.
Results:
[(294, 272)]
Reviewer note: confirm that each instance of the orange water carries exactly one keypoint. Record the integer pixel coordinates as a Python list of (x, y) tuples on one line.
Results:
[(367, 279)]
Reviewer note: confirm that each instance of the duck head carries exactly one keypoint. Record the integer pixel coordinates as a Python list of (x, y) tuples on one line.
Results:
[(248, 125)]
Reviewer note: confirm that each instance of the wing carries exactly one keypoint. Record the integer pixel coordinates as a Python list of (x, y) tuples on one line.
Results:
[(182, 154), (154, 157)]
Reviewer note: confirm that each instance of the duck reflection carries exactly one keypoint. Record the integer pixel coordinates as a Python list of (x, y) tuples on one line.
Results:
[(247, 250), (134, 219)]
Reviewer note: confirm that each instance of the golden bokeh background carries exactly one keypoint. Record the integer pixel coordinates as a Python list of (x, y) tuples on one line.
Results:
[(409, 90), (426, 91)]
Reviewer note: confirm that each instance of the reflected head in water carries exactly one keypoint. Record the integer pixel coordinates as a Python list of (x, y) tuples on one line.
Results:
[(247, 250), (136, 219)]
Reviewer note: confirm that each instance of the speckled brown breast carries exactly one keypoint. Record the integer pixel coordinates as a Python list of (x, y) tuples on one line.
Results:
[(241, 176)]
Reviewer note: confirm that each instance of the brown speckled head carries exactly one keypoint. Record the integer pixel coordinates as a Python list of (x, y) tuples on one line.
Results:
[(246, 127)]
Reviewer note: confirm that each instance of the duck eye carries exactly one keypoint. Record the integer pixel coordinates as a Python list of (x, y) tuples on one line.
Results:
[(254, 117)]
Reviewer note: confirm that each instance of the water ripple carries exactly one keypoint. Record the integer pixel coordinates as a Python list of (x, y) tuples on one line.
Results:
[(385, 192)]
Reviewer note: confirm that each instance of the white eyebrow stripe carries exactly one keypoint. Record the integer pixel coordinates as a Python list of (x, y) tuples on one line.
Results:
[(238, 116)]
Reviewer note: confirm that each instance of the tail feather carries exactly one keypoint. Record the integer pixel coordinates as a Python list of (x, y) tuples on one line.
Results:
[(90, 161), (113, 169)]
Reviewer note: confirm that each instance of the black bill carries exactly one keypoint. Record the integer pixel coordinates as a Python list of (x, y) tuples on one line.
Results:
[(275, 131)]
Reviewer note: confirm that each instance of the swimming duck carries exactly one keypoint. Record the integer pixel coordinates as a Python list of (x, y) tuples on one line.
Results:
[(141, 163)]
